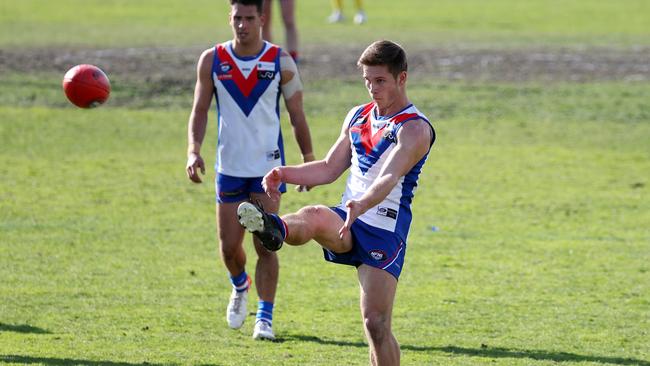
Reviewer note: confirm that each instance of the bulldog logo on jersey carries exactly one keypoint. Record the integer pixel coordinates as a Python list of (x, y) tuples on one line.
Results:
[(225, 67), (224, 71)]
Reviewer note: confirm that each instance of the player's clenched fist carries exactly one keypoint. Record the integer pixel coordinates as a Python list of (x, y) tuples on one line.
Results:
[(271, 183)]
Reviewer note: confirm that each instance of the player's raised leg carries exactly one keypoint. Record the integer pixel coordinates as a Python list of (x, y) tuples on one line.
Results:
[(318, 222), (378, 289), (231, 236)]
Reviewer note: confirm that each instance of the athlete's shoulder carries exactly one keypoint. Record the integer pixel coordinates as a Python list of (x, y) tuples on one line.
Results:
[(272, 45), (414, 122), (208, 53), (357, 111)]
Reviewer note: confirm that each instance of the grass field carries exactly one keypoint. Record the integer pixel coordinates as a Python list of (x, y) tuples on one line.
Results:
[(530, 243)]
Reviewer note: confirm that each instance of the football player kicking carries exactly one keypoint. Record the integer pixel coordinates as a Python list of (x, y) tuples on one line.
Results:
[(385, 143)]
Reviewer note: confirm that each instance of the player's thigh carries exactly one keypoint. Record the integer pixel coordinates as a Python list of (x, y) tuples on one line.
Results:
[(230, 232), (326, 224), (378, 289)]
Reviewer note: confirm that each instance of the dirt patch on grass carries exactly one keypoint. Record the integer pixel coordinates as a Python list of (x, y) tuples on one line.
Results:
[(160, 69)]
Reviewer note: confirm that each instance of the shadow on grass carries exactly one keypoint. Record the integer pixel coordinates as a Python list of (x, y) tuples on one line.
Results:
[(314, 339), (487, 352), (68, 361), (22, 328), (497, 352)]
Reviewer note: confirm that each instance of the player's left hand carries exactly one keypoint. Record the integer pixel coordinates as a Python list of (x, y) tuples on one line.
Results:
[(354, 209)]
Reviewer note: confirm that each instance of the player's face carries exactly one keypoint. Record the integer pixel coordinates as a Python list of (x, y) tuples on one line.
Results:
[(382, 86), (245, 22)]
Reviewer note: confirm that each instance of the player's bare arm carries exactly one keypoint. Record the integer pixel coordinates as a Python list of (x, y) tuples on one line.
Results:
[(292, 92), (313, 173), (199, 117), (413, 142)]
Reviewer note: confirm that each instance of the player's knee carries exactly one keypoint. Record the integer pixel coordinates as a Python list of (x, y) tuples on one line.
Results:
[(377, 325), (313, 214)]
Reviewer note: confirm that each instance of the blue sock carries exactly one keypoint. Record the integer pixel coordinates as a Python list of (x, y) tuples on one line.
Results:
[(240, 282), (281, 225), (265, 312)]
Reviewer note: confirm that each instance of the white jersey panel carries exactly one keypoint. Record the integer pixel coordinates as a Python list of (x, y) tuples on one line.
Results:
[(373, 138), (247, 91)]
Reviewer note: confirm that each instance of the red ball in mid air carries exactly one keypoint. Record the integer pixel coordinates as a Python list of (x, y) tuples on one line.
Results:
[(86, 86)]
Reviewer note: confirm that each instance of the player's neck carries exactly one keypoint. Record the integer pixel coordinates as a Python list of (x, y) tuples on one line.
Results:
[(392, 107), (247, 49)]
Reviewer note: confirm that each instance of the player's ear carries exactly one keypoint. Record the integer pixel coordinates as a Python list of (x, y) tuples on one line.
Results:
[(401, 78)]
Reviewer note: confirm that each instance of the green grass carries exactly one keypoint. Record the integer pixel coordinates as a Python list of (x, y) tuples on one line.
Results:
[(538, 191), (108, 253), (172, 23)]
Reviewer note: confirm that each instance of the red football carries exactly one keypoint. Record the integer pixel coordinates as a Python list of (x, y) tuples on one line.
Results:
[(86, 86)]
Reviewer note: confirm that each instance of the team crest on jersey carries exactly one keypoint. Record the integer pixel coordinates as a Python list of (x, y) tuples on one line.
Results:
[(225, 66), (378, 255)]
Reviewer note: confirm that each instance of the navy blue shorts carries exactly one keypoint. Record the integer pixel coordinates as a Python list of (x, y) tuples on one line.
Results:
[(235, 189), (373, 246)]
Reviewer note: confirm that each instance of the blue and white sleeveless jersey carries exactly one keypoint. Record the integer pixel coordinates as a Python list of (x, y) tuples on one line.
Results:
[(373, 138), (247, 90)]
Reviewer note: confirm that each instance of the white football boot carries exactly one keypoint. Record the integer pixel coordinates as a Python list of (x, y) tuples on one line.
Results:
[(335, 17), (263, 330), (236, 310), (261, 224)]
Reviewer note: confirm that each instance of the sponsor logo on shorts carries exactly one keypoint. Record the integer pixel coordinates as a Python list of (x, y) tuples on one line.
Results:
[(378, 255), (230, 194), (388, 212)]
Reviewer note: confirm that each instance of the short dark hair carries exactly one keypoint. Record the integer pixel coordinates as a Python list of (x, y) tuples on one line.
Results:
[(257, 3), (385, 53)]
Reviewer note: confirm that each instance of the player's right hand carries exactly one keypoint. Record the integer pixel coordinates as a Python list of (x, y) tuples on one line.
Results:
[(194, 163), (271, 183)]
